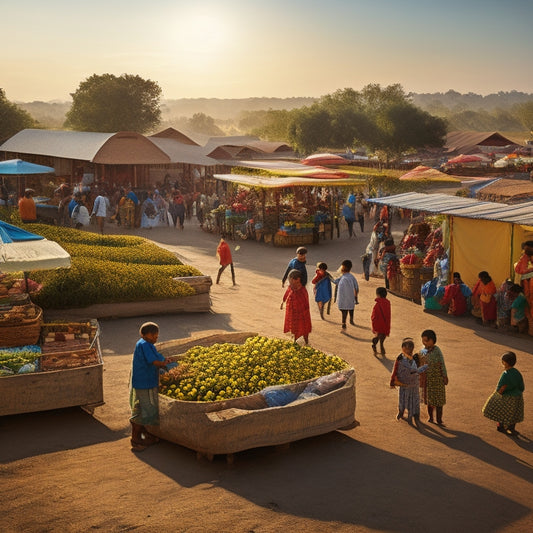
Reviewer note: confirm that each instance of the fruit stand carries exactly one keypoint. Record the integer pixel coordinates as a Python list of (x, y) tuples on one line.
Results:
[(65, 369), (241, 423)]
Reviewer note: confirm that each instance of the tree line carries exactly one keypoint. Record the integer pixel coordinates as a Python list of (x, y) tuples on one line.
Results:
[(385, 120)]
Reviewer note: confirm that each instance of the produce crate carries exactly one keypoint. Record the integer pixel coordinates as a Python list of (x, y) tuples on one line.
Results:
[(293, 240), (224, 427), (62, 386)]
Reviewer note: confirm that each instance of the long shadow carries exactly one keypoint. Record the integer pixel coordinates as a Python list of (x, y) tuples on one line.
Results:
[(483, 451), (33, 434), (387, 363), (352, 483), (114, 332)]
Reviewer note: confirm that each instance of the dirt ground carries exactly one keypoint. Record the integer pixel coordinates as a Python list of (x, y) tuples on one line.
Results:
[(68, 471)]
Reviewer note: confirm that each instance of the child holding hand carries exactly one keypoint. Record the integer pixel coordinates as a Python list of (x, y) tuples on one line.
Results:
[(322, 287)]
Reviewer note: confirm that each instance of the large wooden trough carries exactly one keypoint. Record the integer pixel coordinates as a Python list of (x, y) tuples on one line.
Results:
[(224, 427)]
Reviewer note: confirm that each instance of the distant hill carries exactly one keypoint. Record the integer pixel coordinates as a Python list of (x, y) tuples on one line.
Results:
[(228, 111)]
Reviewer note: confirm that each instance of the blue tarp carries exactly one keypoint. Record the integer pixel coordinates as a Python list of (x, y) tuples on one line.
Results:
[(9, 233)]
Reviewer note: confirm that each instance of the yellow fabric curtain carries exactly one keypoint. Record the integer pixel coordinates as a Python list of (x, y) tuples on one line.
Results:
[(481, 245)]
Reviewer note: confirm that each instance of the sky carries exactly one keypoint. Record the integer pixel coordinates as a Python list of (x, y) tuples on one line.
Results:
[(279, 48)]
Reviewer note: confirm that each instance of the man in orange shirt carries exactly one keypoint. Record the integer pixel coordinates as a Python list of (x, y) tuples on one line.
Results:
[(27, 209)]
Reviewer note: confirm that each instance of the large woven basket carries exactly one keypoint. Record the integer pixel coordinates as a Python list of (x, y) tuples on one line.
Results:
[(22, 332), (410, 271)]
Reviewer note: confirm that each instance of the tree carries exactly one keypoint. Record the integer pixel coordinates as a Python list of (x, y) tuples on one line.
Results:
[(202, 123), (12, 118), (109, 103), (309, 129), (524, 113)]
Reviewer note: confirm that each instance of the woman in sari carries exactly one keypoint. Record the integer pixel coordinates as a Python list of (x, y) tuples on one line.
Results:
[(484, 294)]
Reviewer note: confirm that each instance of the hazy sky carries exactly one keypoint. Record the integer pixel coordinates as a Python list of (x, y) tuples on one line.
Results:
[(247, 48)]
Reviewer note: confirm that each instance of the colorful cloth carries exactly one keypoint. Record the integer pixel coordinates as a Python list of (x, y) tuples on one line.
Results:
[(322, 283), (297, 314), (454, 295), (224, 254), (381, 316), (432, 382), (405, 372), (485, 295)]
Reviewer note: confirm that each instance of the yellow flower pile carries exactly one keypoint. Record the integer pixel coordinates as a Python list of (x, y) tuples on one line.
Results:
[(224, 371)]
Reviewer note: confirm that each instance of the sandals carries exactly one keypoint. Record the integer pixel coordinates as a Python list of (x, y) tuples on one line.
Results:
[(137, 446)]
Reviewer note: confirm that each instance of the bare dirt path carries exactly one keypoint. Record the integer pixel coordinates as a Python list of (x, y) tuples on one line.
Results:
[(68, 471)]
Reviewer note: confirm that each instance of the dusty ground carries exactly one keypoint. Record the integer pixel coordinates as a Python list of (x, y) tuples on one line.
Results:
[(68, 471)]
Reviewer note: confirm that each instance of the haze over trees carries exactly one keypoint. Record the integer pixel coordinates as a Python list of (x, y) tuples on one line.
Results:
[(107, 103)]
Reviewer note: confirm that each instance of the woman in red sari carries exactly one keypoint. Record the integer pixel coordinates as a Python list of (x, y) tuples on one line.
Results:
[(456, 295), (297, 314), (484, 291)]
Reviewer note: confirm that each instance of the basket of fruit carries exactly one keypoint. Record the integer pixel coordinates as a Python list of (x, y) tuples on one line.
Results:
[(20, 325), (229, 394)]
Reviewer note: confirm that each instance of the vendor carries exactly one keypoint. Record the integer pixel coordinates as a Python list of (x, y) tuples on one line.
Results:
[(457, 296), (27, 208)]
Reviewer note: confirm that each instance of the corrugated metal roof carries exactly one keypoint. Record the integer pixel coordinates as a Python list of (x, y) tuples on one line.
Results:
[(183, 153), (65, 144), (461, 207)]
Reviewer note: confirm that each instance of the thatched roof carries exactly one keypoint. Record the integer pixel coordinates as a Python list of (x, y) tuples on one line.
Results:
[(507, 190)]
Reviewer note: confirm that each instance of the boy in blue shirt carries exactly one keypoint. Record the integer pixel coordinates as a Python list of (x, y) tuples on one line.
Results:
[(144, 389)]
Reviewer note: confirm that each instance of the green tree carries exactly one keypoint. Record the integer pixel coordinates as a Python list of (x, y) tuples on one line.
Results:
[(12, 118), (202, 123), (108, 103), (524, 113), (309, 129)]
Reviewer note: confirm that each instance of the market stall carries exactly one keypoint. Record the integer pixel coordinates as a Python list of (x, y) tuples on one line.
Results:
[(42, 366), (476, 235), (284, 211)]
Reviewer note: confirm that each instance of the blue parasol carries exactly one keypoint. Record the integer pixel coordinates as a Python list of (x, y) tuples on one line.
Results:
[(17, 166)]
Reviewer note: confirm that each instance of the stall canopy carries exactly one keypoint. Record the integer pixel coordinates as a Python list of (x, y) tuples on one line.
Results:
[(21, 168), (22, 251), (289, 181), (484, 235)]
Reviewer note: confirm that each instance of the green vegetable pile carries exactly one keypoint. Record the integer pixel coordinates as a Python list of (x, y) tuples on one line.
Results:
[(14, 361), (224, 371)]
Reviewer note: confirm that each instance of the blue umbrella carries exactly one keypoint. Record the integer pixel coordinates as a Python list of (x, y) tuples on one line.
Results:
[(17, 166)]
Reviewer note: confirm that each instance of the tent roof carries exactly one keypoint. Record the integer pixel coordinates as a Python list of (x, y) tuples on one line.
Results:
[(183, 153), (469, 142), (289, 181), (22, 251), (461, 207), (171, 133), (422, 172)]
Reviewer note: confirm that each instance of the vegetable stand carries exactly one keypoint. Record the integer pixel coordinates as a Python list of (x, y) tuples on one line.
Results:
[(68, 372), (229, 426)]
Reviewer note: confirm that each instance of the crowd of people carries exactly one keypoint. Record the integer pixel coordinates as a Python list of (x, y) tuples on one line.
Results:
[(421, 376)]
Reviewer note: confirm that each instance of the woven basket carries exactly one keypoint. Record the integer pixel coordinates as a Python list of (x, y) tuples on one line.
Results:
[(426, 274), (410, 271), (23, 332)]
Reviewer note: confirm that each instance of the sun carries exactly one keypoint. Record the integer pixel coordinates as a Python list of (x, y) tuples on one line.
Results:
[(201, 31)]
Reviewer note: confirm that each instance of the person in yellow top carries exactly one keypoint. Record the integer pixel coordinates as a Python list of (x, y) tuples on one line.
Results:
[(27, 209)]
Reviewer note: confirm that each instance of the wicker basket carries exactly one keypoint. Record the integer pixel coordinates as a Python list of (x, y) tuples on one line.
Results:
[(22, 332), (426, 274), (410, 271)]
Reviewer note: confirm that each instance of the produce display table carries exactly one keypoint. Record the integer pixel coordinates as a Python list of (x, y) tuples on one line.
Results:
[(223, 427), (71, 376)]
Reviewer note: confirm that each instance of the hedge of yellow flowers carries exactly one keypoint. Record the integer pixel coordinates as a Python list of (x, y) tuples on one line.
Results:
[(108, 269), (224, 371)]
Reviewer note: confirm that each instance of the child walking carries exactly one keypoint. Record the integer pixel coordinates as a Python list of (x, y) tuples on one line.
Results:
[(348, 290), (381, 319), (506, 404), (297, 314), (224, 258), (405, 375), (144, 393), (436, 377), (322, 287)]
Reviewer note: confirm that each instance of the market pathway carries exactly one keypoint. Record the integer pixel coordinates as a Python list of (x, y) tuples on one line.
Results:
[(69, 471)]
